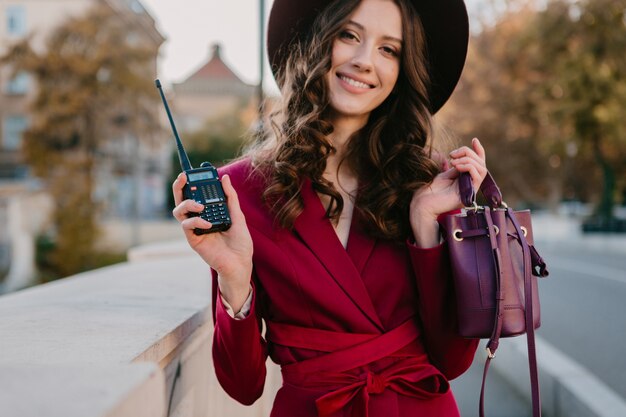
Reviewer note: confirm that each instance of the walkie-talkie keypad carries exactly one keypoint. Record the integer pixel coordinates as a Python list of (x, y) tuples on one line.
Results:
[(205, 188), (215, 210), (215, 213)]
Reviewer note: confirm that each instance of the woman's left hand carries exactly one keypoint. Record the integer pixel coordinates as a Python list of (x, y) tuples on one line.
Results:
[(442, 195)]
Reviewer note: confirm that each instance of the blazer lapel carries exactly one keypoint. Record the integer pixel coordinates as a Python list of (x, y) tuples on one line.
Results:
[(360, 245), (315, 229)]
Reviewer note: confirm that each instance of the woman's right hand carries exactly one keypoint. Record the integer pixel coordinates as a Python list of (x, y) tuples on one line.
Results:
[(228, 252)]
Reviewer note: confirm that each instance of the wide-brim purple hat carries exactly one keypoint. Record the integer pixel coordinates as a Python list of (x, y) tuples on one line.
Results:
[(445, 24)]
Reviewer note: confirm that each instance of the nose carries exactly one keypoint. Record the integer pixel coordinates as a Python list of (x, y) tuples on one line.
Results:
[(362, 59)]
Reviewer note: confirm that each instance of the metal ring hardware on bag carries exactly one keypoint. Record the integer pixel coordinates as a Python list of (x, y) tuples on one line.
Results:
[(474, 207)]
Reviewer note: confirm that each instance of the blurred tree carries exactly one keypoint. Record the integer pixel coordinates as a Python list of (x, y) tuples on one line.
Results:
[(495, 102), (93, 83), (584, 64), (545, 89)]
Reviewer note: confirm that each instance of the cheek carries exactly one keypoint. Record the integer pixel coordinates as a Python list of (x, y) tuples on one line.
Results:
[(390, 75), (339, 54)]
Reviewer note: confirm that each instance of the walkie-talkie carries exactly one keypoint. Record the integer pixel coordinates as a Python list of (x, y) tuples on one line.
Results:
[(203, 185)]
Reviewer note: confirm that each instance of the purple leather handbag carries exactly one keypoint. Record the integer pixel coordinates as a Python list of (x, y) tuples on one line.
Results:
[(495, 268)]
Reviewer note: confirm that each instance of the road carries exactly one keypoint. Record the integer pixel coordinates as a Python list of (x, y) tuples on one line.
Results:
[(583, 310), (501, 399)]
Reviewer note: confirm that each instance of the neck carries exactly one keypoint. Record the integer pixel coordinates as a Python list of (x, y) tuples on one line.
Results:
[(343, 129)]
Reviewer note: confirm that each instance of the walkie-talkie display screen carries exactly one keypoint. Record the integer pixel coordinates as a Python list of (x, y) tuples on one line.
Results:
[(201, 176)]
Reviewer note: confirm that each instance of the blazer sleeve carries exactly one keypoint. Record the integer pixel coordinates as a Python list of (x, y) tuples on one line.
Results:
[(450, 353), (239, 350)]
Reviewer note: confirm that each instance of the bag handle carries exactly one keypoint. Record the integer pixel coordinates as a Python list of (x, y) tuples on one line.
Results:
[(489, 188)]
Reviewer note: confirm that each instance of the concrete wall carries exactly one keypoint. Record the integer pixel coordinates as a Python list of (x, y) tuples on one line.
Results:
[(109, 343)]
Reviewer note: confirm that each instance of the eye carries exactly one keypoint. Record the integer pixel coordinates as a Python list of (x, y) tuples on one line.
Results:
[(348, 35), (390, 51)]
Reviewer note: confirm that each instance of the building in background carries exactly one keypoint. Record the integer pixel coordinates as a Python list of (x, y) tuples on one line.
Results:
[(132, 173), (211, 92)]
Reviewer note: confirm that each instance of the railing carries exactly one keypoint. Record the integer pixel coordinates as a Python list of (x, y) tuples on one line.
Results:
[(130, 340)]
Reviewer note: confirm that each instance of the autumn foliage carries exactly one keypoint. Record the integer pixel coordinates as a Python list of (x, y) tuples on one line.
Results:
[(545, 89)]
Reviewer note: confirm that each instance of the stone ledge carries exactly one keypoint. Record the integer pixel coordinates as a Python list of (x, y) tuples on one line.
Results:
[(76, 391), (112, 315), (160, 250), (76, 347)]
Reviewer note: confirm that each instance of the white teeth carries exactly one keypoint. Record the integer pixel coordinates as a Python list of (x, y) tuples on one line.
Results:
[(354, 82)]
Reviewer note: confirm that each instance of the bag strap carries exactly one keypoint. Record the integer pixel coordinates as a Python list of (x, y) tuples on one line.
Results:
[(530, 328), (492, 344), (494, 339), (488, 188)]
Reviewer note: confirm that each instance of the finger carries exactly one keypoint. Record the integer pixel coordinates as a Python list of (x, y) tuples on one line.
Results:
[(232, 199), (181, 211), (177, 188), (195, 223), (479, 149), (466, 160), (469, 158), (477, 179), (481, 168)]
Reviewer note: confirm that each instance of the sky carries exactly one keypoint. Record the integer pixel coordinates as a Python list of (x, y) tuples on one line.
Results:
[(191, 26)]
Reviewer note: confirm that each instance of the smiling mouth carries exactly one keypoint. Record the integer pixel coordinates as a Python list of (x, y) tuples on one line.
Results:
[(353, 82)]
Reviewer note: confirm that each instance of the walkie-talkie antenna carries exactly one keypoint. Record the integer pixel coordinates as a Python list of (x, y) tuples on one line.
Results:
[(182, 155)]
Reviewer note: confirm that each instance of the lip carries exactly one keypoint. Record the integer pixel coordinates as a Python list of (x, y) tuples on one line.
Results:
[(351, 88)]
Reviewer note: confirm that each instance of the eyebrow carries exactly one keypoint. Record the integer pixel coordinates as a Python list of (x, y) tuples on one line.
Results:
[(386, 37)]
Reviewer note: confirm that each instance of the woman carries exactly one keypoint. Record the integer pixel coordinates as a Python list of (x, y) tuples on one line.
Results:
[(335, 241)]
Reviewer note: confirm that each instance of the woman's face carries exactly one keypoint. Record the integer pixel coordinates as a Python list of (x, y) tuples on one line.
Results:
[(365, 60)]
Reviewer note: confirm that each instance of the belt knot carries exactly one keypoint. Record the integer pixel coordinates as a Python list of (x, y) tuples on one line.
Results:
[(375, 383)]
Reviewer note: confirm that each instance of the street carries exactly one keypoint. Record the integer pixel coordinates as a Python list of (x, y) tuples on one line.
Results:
[(501, 399), (583, 305)]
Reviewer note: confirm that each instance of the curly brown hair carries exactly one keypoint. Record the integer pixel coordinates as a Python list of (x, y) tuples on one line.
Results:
[(390, 155)]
